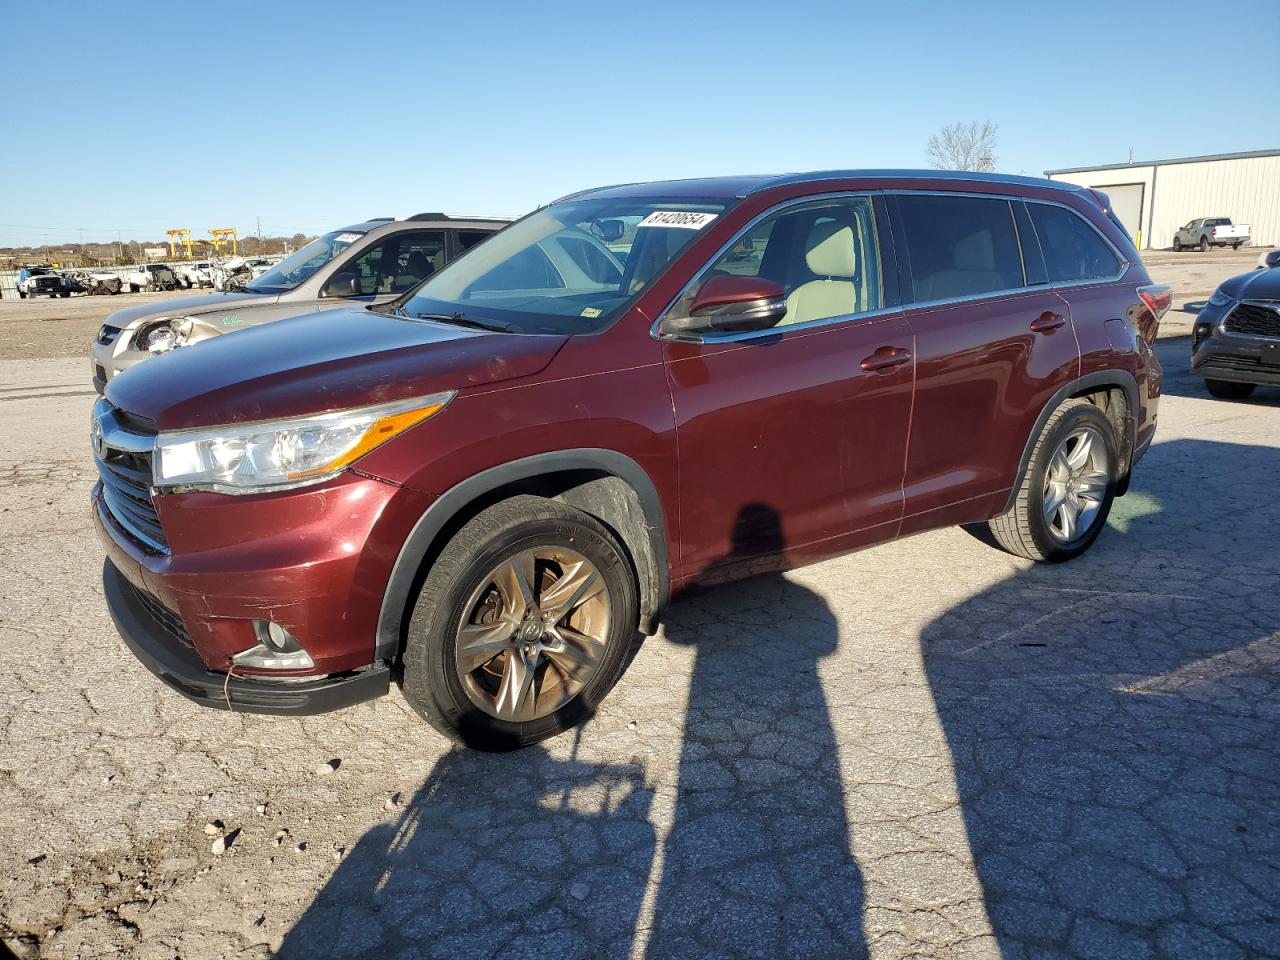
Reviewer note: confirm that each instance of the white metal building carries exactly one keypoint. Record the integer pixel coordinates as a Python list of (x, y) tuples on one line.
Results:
[(1154, 199)]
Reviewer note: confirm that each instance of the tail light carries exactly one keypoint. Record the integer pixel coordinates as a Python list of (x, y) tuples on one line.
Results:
[(1157, 298)]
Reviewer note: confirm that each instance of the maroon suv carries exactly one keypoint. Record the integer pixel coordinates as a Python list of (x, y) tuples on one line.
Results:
[(487, 487)]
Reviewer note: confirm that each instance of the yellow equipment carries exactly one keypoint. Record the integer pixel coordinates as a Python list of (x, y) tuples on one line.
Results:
[(184, 239), (220, 238)]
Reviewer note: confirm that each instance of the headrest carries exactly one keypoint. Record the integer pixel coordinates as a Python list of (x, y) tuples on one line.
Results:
[(830, 252), (976, 252)]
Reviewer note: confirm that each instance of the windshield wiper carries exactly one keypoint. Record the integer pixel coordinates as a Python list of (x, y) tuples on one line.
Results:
[(460, 320)]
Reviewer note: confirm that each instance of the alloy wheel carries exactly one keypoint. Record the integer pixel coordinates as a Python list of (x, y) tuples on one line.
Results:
[(1075, 485), (533, 633)]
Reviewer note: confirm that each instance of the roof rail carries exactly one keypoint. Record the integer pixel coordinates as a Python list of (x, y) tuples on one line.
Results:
[(380, 220), (430, 216)]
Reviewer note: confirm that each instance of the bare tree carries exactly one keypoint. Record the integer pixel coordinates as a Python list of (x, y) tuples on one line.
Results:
[(964, 146)]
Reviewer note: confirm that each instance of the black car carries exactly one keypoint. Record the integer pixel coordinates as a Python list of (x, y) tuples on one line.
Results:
[(1235, 345)]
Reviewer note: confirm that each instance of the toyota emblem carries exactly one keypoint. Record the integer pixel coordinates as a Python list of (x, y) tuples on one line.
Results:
[(98, 440)]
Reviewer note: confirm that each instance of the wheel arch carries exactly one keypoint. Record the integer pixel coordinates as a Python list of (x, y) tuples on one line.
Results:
[(1100, 388), (604, 483)]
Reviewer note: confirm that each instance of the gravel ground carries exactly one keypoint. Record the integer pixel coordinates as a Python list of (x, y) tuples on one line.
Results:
[(929, 749), (45, 328)]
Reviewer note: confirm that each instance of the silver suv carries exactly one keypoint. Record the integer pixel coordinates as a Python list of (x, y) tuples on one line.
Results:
[(364, 263)]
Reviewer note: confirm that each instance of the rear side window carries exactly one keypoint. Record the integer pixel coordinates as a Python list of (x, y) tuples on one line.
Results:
[(1073, 250), (960, 246)]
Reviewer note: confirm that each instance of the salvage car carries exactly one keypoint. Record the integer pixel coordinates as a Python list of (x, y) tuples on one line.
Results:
[(152, 277), (1211, 232), (1235, 342), (43, 282), (367, 262), (485, 488)]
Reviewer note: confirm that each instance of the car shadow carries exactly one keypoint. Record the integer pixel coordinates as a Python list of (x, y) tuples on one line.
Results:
[(528, 855), (1113, 723), (518, 854)]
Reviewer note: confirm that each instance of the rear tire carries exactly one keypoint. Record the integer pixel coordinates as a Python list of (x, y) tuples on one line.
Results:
[(1204, 245), (466, 591), (1235, 246), (1229, 389), (1030, 528)]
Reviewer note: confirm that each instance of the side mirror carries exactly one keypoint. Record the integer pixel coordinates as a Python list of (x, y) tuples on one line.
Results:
[(342, 285), (730, 304)]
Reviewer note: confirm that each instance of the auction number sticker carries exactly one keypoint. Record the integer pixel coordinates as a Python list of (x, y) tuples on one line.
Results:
[(347, 238), (677, 218)]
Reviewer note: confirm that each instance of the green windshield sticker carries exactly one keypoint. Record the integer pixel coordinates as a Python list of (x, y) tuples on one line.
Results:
[(230, 321)]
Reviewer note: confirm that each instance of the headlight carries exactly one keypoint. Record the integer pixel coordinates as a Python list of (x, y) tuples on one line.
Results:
[(278, 454), (164, 335), (1220, 299)]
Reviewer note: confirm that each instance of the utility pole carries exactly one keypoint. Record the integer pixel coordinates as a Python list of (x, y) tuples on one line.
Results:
[(260, 250)]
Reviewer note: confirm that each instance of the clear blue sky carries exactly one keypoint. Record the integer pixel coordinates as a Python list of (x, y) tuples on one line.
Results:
[(143, 116)]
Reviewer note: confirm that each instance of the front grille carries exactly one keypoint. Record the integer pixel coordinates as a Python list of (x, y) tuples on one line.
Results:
[(126, 479), (1254, 320), (169, 621)]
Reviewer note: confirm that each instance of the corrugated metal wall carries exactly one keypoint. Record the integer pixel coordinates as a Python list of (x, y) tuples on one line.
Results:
[(1246, 189)]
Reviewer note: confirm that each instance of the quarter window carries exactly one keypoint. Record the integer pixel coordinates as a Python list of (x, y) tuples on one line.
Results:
[(960, 246), (1073, 250)]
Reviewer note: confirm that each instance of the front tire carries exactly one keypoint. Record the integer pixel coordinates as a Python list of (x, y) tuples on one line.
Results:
[(1067, 490), (1177, 245), (522, 626), (1229, 389)]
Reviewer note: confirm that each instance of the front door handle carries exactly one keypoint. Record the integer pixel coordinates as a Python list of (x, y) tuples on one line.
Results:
[(886, 357), (1047, 322)]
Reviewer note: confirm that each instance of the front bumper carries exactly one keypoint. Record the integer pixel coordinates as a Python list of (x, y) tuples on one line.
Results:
[(1236, 357), (110, 359), (179, 666)]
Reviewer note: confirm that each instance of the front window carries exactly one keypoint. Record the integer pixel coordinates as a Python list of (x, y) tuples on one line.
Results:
[(570, 268), (302, 264)]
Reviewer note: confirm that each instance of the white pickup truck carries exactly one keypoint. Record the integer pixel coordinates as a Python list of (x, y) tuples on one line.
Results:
[(1207, 232)]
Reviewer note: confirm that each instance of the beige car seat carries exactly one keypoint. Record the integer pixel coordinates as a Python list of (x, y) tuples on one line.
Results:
[(830, 255)]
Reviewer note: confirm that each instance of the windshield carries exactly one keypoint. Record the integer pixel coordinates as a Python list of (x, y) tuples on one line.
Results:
[(298, 266), (570, 268)]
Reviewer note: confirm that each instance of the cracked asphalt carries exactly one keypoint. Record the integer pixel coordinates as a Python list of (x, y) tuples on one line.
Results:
[(928, 749)]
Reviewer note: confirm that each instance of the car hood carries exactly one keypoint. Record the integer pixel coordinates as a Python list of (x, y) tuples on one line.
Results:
[(1255, 285), (185, 307), (319, 362)]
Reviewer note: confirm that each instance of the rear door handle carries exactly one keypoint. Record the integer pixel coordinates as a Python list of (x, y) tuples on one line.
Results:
[(1047, 321), (885, 358)]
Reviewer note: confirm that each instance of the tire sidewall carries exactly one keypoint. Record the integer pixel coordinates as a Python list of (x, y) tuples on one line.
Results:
[(1053, 549), (429, 666)]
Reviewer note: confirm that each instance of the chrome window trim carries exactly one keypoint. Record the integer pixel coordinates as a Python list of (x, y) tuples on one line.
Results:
[(655, 331), (907, 306)]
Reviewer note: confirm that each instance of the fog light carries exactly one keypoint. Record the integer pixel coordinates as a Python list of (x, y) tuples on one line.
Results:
[(276, 637), (276, 650)]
